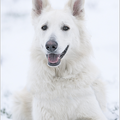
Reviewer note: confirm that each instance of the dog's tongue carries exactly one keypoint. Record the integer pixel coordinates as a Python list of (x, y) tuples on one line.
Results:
[(53, 58)]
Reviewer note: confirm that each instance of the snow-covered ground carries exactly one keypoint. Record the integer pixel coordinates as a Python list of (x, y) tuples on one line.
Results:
[(102, 20)]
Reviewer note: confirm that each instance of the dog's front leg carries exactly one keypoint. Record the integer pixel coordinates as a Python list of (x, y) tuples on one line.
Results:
[(100, 92), (89, 108), (21, 109), (40, 112)]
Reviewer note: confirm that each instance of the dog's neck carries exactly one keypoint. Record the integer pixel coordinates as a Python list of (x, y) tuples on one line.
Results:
[(79, 72), (66, 71)]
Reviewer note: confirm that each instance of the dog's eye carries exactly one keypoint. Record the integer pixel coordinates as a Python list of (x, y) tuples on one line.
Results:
[(45, 27), (65, 28)]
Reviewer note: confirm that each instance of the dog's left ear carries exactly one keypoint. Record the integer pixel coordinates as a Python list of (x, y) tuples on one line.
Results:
[(76, 7)]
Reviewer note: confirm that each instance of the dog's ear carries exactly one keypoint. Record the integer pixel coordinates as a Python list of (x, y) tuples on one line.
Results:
[(39, 5), (76, 7)]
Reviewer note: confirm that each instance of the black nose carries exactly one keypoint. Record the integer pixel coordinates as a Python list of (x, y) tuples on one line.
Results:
[(51, 45)]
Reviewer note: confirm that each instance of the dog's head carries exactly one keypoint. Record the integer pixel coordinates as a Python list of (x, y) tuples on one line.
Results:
[(60, 33)]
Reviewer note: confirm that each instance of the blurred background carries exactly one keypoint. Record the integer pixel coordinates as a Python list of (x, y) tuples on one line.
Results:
[(102, 21)]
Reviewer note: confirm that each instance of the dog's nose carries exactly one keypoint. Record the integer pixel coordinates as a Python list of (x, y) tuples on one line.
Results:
[(51, 45)]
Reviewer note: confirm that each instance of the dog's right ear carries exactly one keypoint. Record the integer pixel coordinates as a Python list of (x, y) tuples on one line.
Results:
[(39, 5), (76, 7)]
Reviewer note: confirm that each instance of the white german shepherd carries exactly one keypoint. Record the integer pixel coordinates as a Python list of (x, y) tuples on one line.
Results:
[(63, 84)]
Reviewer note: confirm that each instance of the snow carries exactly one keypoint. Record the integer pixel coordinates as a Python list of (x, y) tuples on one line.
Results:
[(102, 21)]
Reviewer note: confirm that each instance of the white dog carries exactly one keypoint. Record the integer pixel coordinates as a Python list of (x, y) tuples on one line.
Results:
[(63, 84)]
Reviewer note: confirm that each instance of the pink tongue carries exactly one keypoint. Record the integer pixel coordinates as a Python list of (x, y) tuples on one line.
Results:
[(53, 58)]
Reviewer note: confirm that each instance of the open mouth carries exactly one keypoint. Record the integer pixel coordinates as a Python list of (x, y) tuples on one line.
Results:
[(55, 59)]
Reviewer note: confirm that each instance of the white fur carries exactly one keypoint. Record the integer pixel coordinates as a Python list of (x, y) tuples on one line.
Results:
[(72, 90)]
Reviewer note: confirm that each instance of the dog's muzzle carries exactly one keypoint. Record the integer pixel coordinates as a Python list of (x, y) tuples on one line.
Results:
[(55, 59)]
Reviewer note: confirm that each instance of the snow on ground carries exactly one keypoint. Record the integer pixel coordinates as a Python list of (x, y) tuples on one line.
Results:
[(17, 33)]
